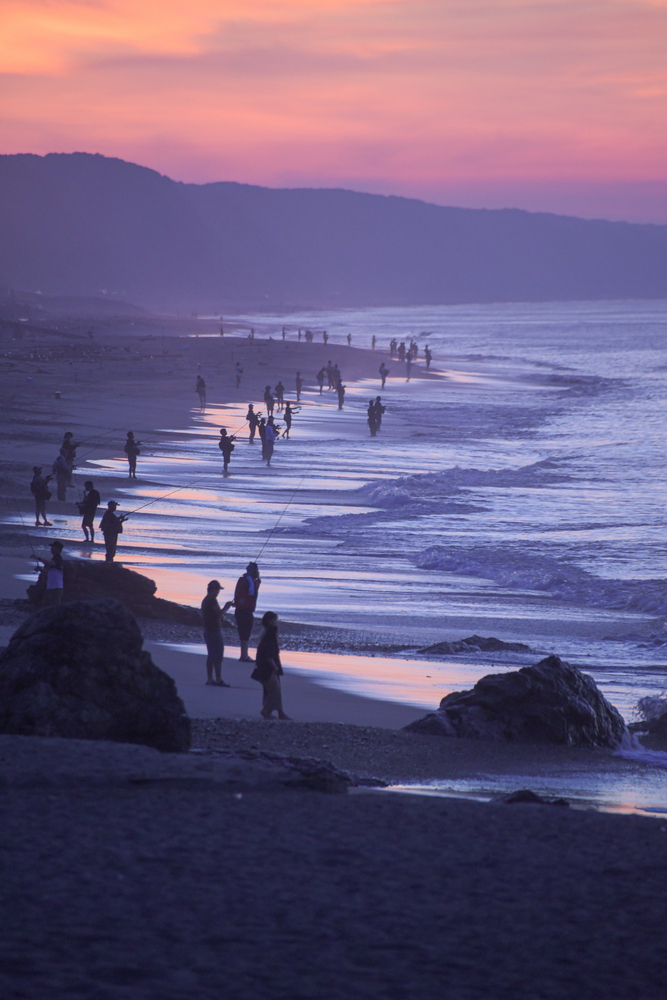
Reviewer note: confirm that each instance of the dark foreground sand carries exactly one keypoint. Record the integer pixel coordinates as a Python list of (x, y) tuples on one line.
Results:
[(128, 874)]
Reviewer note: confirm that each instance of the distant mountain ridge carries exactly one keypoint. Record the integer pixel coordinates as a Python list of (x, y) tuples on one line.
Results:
[(74, 224)]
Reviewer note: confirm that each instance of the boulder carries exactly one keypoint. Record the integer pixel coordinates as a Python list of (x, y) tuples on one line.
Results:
[(476, 644), (78, 670), (653, 733), (84, 580), (550, 702)]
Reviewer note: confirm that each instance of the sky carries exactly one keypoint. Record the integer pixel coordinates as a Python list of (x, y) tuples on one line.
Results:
[(548, 105)]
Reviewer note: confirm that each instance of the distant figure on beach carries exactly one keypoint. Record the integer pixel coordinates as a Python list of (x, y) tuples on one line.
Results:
[(238, 371), (401, 351), (329, 370), (284, 333), (269, 400), (62, 471), (68, 451), (384, 371), (379, 410), (131, 449), (320, 379), (408, 369), (54, 570), (287, 417), (222, 330), (269, 669), (373, 342), (340, 389), (226, 446), (428, 356), (111, 527), (261, 430), (88, 509), (280, 395), (325, 337), (299, 386), (253, 420), (349, 340), (39, 487), (212, 613), (251, 335), (392, 347), (271, 433), (201, 391), (299, 336), (370, 415), (245, 602)]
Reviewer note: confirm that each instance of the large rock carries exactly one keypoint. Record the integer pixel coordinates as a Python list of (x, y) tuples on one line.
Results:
[(476, 644), (79, 671), (94, 581), (550, 702)]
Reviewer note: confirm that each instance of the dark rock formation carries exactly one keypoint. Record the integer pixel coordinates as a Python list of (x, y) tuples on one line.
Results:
[(524, 796), (95, 581), (653, 734), (79, 671), (550, 702), (476, 644)]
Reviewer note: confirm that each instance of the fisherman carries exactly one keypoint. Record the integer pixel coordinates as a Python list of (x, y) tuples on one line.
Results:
[(68, 450), (372, 422), (253, 420), (245, 602), (261, 430), (131, 449), (271, 435), (39, 487), (379, 410), (373, 342), (269, 400), (428, 356), (62, 471), (340, 389), (111, 527), (226, 446), (299, 386), (325, 337), (280, 395), (201, 391), (238, 372), (320, 379), (212, 613), (287, 417), (384, 371), (88, 509), (54, 569), (349, 340), (401, 351)]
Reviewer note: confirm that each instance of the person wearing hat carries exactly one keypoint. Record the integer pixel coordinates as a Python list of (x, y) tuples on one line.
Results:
[(39, 487), (212, 613), (245, 602), (111, 527), (54, 568), (88, 509)]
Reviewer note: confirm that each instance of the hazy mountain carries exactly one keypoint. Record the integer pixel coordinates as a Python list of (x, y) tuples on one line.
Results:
[(78, 223)]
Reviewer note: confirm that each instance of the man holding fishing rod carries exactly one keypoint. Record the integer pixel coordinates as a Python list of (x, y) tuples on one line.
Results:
[(111, 527)]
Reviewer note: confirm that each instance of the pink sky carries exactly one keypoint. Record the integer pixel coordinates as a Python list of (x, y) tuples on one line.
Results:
[(554, 105)]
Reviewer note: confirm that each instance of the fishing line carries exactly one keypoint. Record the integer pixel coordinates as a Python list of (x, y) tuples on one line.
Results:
[(303, 478), (32, 548)]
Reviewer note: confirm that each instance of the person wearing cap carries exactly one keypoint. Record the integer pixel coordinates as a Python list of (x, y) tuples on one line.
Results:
[(111, 527), (245, 602), (215, 645), (54, 569), (88, 509), (39, 487)]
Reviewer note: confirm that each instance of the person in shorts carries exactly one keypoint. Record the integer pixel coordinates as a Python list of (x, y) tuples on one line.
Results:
[(88, 509), (215, 646)]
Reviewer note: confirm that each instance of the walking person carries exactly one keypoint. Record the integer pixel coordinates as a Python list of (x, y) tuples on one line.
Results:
[(384, 371), (212, 613), (379, 410), (39, 487), (88, 509), (320, 379), (253, 420), (372, 423), (269, 400), (340, 389), (245, 602), (271, 435), (201, 391), (269, 669), (299, 386), (226, 446), (54, 570), (111, 527), (62, 471), (131, 449)]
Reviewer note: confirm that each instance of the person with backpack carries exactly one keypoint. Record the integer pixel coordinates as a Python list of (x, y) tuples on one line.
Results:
[(245, 602), (269, 669)]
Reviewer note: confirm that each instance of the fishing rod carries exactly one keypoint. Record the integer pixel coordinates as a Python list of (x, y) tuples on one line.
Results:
[(32, 548)]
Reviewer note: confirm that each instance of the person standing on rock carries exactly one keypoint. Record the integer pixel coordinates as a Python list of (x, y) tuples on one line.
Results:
[(39, 487), (54, 569), (131, 449), (88, 509), (269, 669), (111, 527), (215, 646), (245, 602)]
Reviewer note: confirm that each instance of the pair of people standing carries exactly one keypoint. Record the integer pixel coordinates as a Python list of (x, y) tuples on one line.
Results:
[(374, 413)]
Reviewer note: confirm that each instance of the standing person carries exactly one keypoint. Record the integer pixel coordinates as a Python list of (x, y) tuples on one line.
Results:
[(384, 371), (373, 342), (253, 420), (39, 487), (131, 449), (88, 509), (299, 336), (269, 669), (408, 369), (372, 423), (261, 430), (349, 340), (222, 330), (238, 371), (201, 391), (111, 527), (245, 602), (379, 410), (325, 337), (287, 417), (320, 379), (330, 375), (284, 333), (269, 400), (428, 356), (212, 613), (54, 569), (226, 446), (271, 435), (62, 471), (68, 451), (299, 386), (401, 351), (340, 389), (280, 395)]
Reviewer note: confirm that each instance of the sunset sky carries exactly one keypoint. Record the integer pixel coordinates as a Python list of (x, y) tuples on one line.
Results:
[(556, 105)]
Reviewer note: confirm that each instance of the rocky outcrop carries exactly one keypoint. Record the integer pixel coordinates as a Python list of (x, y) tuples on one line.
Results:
[(475, 644), (94, 581), (79, 671), (653, 734), (550, 702)]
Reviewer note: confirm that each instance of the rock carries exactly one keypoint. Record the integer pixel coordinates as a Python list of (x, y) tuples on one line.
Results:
[(654, 733), (93, 581), (525, 796), (476, 644), (79, 671), (550, 702)]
